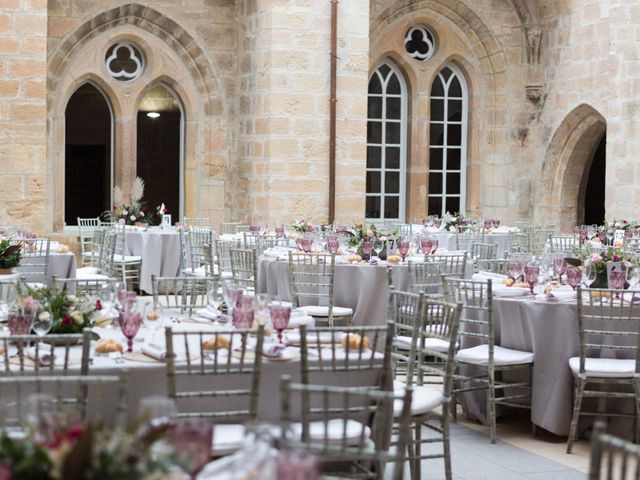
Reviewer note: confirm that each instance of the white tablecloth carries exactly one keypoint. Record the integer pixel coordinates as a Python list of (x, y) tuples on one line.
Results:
[(160, 253), (62, 265)]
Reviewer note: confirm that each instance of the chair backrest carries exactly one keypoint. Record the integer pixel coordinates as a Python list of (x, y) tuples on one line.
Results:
[(311, 277), (263, 242), (538, 238), (197, 222), (612, 458), (406, 310), (121, 239), (107, 252), (562, 243), (34, 266), (483, 251), (223, 255), (228, 228), (82, 286), (183, 295), (494, 266), (242, 228), (452, 264), (34, 355), (86, 227), (609, 324), (347, 425), (523, 226), (352, 350), (197, 359), (244, 267), (425, 277), (476, 319), (88, 398), (468, 235), (209, 258), (196, 241), (518, 242)]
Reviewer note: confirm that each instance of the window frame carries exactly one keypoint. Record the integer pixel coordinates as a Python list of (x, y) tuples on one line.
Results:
[(445, 147), (403, 121)]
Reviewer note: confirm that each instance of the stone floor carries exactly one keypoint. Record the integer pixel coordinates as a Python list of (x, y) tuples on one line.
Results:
[(517, 455)]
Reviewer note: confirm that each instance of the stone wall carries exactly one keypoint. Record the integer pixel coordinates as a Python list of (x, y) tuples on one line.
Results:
[(23, 41)]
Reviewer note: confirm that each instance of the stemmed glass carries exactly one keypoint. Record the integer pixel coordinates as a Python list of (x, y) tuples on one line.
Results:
[(531, 274), (437, 223), (20, 319), (152, 319), (230, 290), (243, 311), (40, 416), (589, 275), (367, 246), (192, 441), (333, 244), (280, 314), (130, 322), (403, 247), (378, 246), (574, 276), (426, 244), (515, 269), (610, 234), (43, 319), (158, 410), (280, 231), (617, 279), (559, 265)]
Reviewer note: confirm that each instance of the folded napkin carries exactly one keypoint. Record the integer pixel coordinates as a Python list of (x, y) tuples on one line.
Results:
[(483, 275), (299, 318), (558, 295), (207, 313), (273, 350), (44, 356), (154, 350), (504, 291), (273, 254)]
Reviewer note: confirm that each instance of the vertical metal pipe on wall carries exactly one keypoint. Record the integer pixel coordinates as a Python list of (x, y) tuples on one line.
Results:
[(332, 110)]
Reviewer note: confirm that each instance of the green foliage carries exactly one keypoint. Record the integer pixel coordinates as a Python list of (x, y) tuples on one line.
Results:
[(25, 459), (9, 254)]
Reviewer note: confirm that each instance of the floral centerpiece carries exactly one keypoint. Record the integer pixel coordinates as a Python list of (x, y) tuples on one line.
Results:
[(71, 314), (358, 233), (453, 221), (136, 211), (599, 260), (615, 225), (10, 255), (86, 453), (302, 226)]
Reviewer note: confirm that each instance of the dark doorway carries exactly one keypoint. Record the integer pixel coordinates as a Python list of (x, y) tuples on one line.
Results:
[(158, 147), (87, 155), (594, 191)]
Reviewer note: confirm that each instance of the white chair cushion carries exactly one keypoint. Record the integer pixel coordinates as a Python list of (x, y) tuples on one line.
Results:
[(91, 276), (604, 367), (127, 259), (323, 311), (335, 430), (90, 254), (87, 271), (196, 272), (226, 275), (227, 438), (424, 399), (435, 344), (501, 356)]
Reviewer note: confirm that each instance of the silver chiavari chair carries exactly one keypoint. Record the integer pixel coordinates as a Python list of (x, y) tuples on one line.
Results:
[(182, 295), (485, 361), (102, 268), (35, 355), (538, 238), (228, 228), (452, 264), (519, 242), (483, 251), (493, 266), (244, 268), (86, 229), (88, 398), (612, 458), (240, 228), (609, 361), (426, 277), (469, 235), (83, 286), (347, 428), (197, 360), (223, 256), (312, 279), (562, 243), (197, 223), (427, 332), (523, 226), (34, 266), (126, 266), (194, 244), (260, 243)]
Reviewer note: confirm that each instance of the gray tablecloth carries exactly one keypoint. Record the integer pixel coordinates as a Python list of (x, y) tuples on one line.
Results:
[(62, 265), (160, 253), (550, 331)]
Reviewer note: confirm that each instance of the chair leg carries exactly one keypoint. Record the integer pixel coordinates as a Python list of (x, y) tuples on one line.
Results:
[(411, 455), (418, 448), (446, 445), (636, 386), (577, 405), (491, 406)]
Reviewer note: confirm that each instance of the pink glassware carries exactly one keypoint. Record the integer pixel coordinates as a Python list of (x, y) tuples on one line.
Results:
[(192, 441), (515, 269), (434, 245), (20, 322), (426, 244), (574, 276), (560, 265), (437, 222), (333, 244), (298, 466), (367, 246), (126, 299), (306, 244), (279, 232), (243, 312), (403, 248), (531, 274), (617, 279), (254, 229), (280, 315), (130, 322)]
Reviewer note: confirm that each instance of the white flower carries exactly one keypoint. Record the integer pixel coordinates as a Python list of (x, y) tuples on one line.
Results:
[(72, 299), (453, 229), (77, 317), (132, 218), (44, 316)]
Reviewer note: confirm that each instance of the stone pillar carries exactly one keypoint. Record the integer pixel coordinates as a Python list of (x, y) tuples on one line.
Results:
[(23, 57)]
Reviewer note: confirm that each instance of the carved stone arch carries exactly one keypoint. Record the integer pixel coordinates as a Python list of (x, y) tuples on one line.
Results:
[(103, 87), (562, 178), (397, 63), (198, 63)]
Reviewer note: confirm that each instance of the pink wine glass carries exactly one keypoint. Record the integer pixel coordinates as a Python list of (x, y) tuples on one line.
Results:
[(574, 276), (192, 441), (254, 229), (515, 269), (403, 248), (279, 232), (280, 314), (426, 244), (617, 279), (560, 266), (130, 322), (333, 244), (434, 246), (531, 274), (367, 246)]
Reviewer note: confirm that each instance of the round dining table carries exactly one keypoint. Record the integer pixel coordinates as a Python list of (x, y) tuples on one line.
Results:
[(159, 250)]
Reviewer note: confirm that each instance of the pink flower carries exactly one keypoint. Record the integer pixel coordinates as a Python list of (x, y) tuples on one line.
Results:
[(596, 258), (615, 257), (132, 218), (29, 302), (5, 472), (66, 321), (369, 233)]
